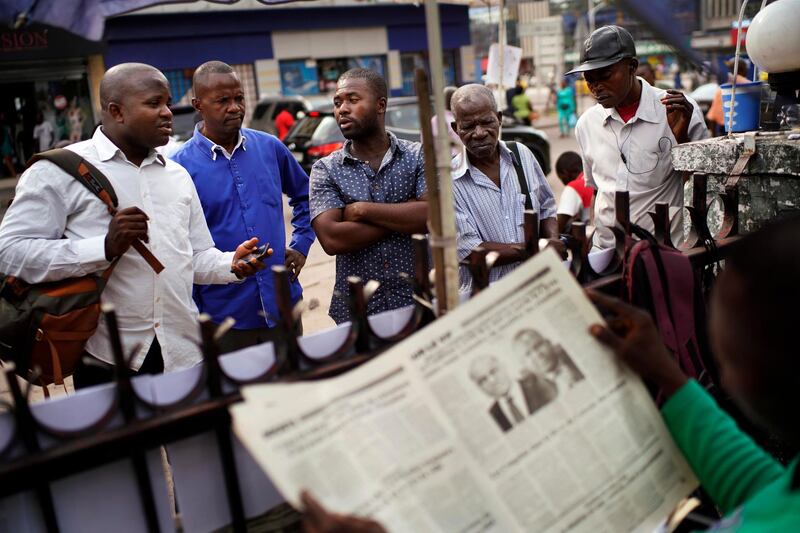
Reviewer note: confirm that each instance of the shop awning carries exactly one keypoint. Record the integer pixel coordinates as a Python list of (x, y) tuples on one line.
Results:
[(87, 17)]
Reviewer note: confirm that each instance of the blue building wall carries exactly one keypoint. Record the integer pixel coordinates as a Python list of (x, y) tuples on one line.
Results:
[(185, 40)]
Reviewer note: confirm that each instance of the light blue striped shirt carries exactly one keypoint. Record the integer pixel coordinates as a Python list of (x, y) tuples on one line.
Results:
[(488, 213)]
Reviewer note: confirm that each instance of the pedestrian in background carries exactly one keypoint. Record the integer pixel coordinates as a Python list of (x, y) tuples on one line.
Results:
[(715, 113), (577, 197), (565, 105), (455, 141), (283, 122), (43, 133)]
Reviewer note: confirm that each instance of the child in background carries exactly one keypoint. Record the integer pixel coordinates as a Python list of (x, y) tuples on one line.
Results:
[(577, 197)]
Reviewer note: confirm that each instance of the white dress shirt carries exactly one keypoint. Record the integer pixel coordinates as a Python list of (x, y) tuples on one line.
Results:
[(50, 204), (645, 141)]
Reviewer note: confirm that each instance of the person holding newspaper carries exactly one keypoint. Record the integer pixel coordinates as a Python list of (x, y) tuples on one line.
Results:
[(753, 336)]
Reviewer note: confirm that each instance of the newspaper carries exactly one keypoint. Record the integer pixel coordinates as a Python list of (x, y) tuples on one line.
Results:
[(504, 415)]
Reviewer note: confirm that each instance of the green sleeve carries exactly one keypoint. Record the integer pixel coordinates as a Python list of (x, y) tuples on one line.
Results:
[(730, 466)]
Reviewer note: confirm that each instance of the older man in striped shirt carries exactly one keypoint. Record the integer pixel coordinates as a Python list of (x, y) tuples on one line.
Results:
[(489, 194)]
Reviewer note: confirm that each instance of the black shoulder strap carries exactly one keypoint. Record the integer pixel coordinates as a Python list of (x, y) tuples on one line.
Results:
[(80, 169), (523, 181)]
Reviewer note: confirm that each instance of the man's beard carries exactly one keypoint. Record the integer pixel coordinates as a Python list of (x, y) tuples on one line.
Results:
[(362, 130)]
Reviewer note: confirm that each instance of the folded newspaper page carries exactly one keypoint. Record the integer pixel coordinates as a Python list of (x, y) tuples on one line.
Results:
[(503, 415)]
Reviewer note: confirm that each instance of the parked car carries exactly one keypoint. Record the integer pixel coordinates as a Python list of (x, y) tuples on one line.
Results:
[(402, 119), (268, 108), (184, 118), (313, 137), (317, 135)]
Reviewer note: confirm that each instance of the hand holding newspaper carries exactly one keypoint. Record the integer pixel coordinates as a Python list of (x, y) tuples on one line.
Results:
[(504, 415)]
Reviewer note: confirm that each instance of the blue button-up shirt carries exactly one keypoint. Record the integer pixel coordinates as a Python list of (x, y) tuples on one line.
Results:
[(488, 213), (241, 198), (340, 179)]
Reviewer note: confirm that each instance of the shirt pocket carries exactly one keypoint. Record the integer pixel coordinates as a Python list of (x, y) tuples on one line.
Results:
[(269, 190), (649, 164)]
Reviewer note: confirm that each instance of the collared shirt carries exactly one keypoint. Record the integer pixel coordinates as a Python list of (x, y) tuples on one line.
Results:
[(241, 197), (340, 179), (488, 213), (217, 149), (646, 142), (50, 204)]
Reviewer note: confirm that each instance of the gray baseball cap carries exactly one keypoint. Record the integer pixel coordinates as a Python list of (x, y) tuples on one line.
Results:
[(604, 47)]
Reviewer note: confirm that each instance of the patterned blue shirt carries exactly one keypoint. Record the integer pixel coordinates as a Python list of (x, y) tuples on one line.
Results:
[(340, 179), (488, 213), (241, 198)]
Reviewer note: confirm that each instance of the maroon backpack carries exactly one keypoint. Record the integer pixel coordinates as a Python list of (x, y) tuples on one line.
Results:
[(661, 280)]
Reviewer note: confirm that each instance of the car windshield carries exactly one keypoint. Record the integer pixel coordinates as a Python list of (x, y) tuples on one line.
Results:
[(404, 117), (304, 129), (327, 132)]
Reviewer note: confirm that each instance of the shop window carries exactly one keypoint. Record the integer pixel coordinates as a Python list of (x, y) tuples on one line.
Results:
[(309, 76), (410, 61), (299, 77), (180, 85)]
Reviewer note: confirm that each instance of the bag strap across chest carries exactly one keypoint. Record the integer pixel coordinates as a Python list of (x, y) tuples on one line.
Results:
[(87, 175), (523, 181)]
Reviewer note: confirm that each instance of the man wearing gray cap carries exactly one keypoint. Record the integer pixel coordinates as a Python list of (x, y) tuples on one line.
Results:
[(627, 137)]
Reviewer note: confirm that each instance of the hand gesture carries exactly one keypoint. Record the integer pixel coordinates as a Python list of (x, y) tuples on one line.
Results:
[(633, 336), (319, 520), (243, 266), (679, 114), (126, 226), (294, 262)]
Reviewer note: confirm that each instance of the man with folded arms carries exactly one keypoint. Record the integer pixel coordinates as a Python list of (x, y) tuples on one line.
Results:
[(56, 229), (368, 198)]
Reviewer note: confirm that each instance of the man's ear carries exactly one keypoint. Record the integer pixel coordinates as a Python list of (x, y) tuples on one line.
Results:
[(500, 117), (454, 126), (116, 112), (196, 104), (382, 101), (634, 64)]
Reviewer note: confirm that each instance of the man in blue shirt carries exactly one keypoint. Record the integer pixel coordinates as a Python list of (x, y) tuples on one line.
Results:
[(240, 174), (368, 197)]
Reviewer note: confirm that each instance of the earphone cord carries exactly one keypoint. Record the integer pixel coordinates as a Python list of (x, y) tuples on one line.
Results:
[(625, 159)]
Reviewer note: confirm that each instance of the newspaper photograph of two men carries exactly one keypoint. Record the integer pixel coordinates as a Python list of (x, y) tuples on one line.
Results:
[(504, 415)]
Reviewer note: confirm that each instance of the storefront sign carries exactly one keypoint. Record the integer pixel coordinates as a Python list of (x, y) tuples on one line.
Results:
[(15, 41), (36, 42)]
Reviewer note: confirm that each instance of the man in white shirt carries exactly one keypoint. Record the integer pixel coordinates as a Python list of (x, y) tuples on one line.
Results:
[(627, 137), (57, 229)]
